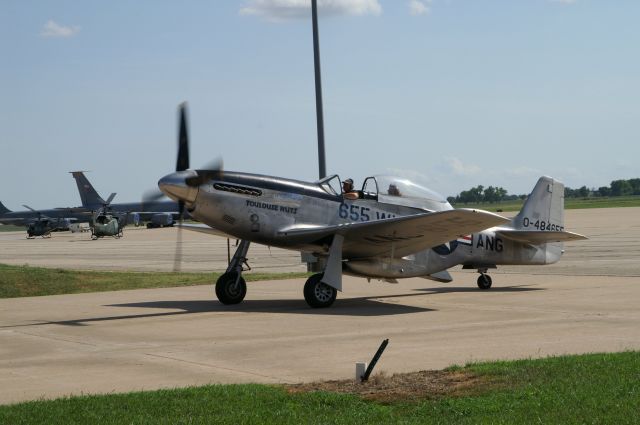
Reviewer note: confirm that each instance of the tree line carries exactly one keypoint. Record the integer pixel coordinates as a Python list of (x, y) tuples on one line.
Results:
[(616, 188), (492, 195)]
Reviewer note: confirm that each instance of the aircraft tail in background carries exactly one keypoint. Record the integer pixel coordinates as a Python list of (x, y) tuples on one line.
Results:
[(88, 195), (3, 209)]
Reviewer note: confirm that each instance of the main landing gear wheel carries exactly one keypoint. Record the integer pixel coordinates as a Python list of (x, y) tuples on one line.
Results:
[(484, 281), (318, 294), (231, 288)]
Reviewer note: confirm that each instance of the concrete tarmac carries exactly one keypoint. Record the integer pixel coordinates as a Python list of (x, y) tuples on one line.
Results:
[(164, 338)]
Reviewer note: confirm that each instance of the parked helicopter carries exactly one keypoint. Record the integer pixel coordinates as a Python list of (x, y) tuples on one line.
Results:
[(315, 217), (107, 223), (44, 225)]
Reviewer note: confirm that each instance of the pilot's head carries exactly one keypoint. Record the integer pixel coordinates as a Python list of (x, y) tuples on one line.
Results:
[(347, 185)]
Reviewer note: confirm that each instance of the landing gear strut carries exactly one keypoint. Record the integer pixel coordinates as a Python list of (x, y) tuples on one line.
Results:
[(484, 280), (317, 293), (231, 287)]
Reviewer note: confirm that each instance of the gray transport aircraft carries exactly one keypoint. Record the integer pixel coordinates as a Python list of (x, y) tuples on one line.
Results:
[(61, 216), (158, 213), (392, 228)]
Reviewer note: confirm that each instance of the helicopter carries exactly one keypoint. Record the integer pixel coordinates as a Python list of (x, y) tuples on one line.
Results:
[(44, 225), (106, 223)]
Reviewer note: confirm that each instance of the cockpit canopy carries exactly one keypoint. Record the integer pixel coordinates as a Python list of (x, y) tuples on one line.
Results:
[(402, 191), (391, 190)]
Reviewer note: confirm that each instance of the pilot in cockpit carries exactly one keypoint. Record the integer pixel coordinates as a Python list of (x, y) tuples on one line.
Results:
[(393, 190), (347, 190)]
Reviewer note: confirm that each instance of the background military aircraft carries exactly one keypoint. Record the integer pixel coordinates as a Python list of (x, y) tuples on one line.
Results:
[(58, 215), (43, 225), (157, 213)]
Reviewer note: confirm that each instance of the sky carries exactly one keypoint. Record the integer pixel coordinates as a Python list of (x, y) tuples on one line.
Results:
[(450, 93)]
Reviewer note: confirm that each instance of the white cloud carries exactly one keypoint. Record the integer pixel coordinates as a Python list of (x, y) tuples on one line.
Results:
[(279, 10), (458, 168), (563, 1), (53, 29), (419, 7), (523, 171)]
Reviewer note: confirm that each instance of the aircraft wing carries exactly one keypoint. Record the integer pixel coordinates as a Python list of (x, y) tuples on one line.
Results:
[(537, 237), (202, 228), (398, 236)]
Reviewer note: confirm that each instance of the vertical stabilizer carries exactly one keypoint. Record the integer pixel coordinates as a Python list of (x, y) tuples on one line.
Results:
[(3, 209), (88, 195), (544, 208)]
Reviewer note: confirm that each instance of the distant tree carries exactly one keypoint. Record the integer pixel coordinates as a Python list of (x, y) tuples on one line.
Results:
[(489, 195), (465, 197), (635, 184), (476, 193), (604, 191), (502, 193), (452, 199), (621, 188), (569, 193), (583, 192)]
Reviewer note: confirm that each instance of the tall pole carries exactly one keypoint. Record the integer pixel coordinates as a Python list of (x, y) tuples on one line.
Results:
[(319, 120)]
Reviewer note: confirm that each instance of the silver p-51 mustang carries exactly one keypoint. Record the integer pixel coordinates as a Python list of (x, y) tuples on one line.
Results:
[(390, 229)]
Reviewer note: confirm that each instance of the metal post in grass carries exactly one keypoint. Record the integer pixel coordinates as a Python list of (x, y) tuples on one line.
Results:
[(374, 360)]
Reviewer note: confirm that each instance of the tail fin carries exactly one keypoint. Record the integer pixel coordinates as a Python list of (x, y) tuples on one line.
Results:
[(3, 209), (88, 195), (544, 208)]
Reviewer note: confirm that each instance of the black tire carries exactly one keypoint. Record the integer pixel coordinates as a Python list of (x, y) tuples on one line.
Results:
[(228, 292), (484, 281), (318, 294)]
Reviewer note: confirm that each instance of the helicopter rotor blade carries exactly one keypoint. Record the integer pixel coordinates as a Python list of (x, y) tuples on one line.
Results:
[(110, 198)]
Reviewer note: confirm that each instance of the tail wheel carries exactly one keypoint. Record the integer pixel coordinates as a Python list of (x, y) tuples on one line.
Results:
[(318, 294), (484, 281), (231, 288)]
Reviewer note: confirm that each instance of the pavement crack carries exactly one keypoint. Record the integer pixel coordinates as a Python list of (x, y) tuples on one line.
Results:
[(218, 367), (56, 339)]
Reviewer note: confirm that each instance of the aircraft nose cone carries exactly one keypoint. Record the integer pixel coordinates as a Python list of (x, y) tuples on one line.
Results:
[(175, 187)]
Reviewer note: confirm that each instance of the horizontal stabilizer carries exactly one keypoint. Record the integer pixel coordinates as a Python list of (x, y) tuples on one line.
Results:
[(537, 237)]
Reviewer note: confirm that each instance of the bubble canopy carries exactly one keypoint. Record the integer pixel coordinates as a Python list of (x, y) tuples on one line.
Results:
[(399, 190)]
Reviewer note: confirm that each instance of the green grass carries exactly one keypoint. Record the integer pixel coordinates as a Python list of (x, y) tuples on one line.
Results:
[(569, 204), (593, 389), (27, 281), (11, 228)]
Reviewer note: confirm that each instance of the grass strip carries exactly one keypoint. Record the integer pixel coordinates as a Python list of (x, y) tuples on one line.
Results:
[(27, 281), (593, 388)]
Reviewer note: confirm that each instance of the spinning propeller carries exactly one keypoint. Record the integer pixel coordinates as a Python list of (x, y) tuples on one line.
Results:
[(182, 186)]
